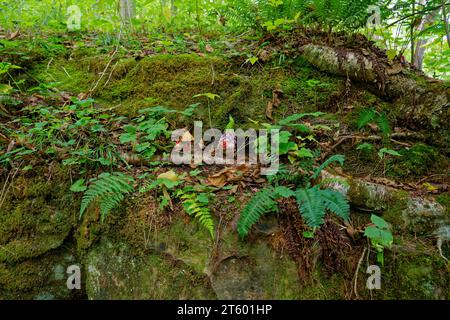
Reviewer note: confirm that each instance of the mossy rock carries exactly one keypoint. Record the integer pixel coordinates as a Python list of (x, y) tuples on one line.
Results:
[(41, 279), (114, 272), (131, 84), (420, 274), (36, 217), (418, 160)]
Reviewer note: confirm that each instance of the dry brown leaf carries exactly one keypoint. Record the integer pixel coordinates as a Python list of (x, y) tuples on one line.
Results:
[(224, 176), (82, 96), (13, 35), (274, 103)]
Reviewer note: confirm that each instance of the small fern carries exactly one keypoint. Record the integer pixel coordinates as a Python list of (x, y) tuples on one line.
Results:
[(197, 205), (334, 158), (314, 202), (365, 117), (262, 203), (109, 190), (383, 124)]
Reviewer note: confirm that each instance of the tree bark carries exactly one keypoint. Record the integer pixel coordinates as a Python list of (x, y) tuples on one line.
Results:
[(126, 10), (419, 52), (423, 103), (417, 214), (445, 20)]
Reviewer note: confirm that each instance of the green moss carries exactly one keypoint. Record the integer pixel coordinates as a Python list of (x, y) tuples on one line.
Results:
[(394, 212), (415, 275), (37, 216), (38, 278), (116, 271), (416, 161), (174, 80), (444, 200)]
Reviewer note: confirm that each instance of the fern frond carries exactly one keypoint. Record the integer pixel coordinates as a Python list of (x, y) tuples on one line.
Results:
[(109, 190), (365, 116), (383, 124), (199, 209), (334, 158), (311, 206), (314, 202), (264, 201), (335, 202)]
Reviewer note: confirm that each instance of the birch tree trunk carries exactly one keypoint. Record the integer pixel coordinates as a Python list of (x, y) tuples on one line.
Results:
[(422, 102), (126, 10), (419, 52)]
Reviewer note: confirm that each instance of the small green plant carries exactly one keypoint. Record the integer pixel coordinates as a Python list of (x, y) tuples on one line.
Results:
[(165, 182), (196, 205), (296, 149), (312, 201), (371, 116), (108, 190), (5, 67), (209, 97), (380, 236)]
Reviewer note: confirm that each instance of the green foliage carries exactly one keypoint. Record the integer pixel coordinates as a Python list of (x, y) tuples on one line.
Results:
[(380, 236), (368, 116), (108, 190), (313, 202), (78, 186), (334, 158), (365, 147), (196, 205), (416, 160), (263, 202), (384, 151)]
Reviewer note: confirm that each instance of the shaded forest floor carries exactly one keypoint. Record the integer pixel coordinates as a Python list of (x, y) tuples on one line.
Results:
[(74, 109)]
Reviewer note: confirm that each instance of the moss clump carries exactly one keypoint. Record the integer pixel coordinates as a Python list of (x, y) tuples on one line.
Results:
[(36, 216), (43, 278), (131, 84), (116, 271), (414, 275), (418, 160), (394, 213)]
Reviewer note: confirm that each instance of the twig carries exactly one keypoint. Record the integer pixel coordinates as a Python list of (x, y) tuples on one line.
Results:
[(102, 74), (66, 72), (356, 273), (429, 177), (5, 190), (213, 74), (106, 68), (48, 64), (110, 74)]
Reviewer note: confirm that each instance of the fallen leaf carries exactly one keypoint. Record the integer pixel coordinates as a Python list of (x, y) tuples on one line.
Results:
[(208, 48), (169, 175), (227, 175), (13, 35), (275, 102)]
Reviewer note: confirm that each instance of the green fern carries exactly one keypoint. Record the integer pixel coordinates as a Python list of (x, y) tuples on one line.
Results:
[(262, 203), (197, 205), (334, 158), (365, 117), (109, 190), (383, 124), (314, 202)]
